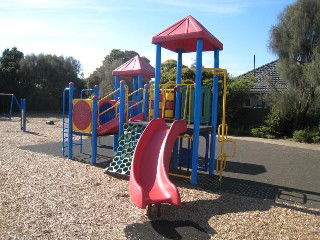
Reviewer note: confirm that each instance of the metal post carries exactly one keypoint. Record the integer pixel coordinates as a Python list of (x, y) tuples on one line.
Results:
[(23, 114), (116, 96), (70, 140), (11, 103), (197, 107), (116, 86), (146, 102), (157, 81), (122, 107), (177, 107), (134, 88), (139, 93), (94, 124), (214, 115), (178, 81)]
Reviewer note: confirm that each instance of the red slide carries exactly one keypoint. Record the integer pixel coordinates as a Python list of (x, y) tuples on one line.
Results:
[(149, 182)]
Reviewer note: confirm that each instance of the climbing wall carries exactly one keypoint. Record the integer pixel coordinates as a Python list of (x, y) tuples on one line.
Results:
[(121, 163)]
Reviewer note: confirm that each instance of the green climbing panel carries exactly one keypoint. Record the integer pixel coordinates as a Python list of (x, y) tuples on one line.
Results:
[(205, 110), (121, 162)]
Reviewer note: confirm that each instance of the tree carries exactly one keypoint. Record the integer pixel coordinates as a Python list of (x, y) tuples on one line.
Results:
[(9, 68), (43, 78), (102, 76), (296, 40)]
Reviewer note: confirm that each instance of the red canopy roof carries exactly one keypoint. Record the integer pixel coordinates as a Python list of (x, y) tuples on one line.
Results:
[(184, 35), (134, 67)]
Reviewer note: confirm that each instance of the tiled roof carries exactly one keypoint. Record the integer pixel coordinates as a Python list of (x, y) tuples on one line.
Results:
[(267, 78)]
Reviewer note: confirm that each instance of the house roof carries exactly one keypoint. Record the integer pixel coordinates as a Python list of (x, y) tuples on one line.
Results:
[(267, 77), (134, 67), (184, 35)]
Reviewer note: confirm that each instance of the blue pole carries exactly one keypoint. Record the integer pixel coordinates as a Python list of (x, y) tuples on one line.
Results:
[(197, 107), (116, 86), (178, 81), (139, 92), (214, 116), (94, 124), (70, 140), (177, 107), (122, 107), (134, 88), (146, 102), (11, 103), (116, 96), (23, 114), (157, 81)]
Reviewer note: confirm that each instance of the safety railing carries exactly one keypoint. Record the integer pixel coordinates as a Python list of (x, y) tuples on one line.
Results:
[(114, 107), (223, 127)]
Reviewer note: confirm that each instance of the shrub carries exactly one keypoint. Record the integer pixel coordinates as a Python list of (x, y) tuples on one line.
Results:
[(271, 127), (307, 135), (301, 136)]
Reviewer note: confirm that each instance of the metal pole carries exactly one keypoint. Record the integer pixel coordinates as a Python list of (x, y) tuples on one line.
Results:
[(157, 81), (23, 114), (116, 96), (70, 135), (94, 124), (146, 102), (11, 103), (214, 115), (197, 107), (122, 107), (178, 81), (139, 93)]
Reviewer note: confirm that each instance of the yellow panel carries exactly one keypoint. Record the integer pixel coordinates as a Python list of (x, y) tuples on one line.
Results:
[(168, 113), (170, 96)]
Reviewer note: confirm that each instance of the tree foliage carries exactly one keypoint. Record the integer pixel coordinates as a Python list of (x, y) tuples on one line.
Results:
[(43, 78), (296, 40), (238, 90), (9, 70), (38, 78), (102, 76)]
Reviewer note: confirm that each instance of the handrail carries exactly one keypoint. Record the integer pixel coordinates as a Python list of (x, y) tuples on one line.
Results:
[(109, 109), (223, 127), (110, 94), (138, 102), (115, 106)]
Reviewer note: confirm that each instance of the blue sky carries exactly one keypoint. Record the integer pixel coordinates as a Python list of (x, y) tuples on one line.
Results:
[(89, 29)]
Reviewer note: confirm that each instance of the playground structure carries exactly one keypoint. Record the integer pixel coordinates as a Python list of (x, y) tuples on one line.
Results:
[(99, 117), (22, 107), (143, 141)]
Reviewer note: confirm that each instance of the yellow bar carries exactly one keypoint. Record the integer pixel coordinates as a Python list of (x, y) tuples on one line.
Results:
[(113, 106), (180, 175), (110, 94)]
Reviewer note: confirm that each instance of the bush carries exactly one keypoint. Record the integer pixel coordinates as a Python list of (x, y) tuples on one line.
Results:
[(271, 127), (301, 136), (307, 135)]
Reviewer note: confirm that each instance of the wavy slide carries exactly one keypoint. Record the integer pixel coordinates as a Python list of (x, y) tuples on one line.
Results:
[(149, 182)]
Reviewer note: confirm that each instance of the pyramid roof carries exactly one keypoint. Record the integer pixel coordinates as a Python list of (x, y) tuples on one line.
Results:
[(184, 34), (134, 67)]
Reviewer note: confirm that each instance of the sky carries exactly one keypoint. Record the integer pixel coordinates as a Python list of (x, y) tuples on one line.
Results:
[(89, 29)]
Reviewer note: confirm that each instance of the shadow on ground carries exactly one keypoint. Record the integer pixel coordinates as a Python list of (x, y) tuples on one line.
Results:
[(190, 221)]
